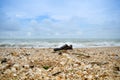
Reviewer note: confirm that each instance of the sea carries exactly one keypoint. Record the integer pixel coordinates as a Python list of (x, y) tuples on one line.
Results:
[(58, 42)]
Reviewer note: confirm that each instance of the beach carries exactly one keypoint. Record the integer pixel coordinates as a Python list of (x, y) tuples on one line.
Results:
[(59, 39), (98, 63)]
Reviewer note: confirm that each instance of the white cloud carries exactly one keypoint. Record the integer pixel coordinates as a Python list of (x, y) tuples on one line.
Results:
[(65, 17), (94, 12)]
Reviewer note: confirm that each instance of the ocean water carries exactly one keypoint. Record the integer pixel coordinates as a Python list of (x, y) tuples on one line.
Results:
[(52, 43)]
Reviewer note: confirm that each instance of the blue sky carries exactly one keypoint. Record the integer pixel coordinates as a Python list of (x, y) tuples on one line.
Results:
[(59, 18)]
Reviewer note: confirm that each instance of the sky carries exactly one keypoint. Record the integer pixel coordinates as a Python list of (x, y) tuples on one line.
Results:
[(60, 19)]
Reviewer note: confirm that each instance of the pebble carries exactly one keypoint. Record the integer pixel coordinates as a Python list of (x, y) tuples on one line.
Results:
[(14, 53), (63, 63), (66, 67), (39, 71), (14, 75), (4, 60), (85, 72), (16, 66), (13, 69), (75, 65), (96, 76), (90, 77), (7, 71), (87, 66), (26, 66)]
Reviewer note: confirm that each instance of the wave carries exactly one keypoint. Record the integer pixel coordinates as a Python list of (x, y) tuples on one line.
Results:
[(52, 43)]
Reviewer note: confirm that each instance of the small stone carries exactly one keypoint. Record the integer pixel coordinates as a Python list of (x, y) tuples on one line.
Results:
[(38, 70), (14, 75), (113, 54), (58, 78), (88, 66), (14, 53), (96, 76), (27, 54), (60, 53), (13, 69), (26, 66), (82, 64), (8, 71), (75, 65), (16, 66), (90, 77), (46, 67), (63, 63), (32, 61), (116, 68), (32, 66), (4, 60), (85, 72), (116, 72)]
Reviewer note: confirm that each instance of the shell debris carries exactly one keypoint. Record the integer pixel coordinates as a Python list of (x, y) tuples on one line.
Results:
[(43, 64)]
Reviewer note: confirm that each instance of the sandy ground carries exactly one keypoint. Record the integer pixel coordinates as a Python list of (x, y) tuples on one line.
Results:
[(45, 64)]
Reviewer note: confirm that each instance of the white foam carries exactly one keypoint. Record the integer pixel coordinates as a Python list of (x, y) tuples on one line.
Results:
[(52, 43)]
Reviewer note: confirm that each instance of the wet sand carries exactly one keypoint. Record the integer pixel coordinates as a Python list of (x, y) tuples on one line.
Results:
[(44, 64)]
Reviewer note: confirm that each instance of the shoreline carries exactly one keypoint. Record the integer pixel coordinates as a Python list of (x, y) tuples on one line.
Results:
[(55, 47), (43, 63)]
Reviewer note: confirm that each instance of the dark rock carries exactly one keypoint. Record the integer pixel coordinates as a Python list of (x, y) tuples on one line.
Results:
[(32, 66), (60, 53), (27, 54), (23, 66), (4, 60), (116, 68), (64, 47), (87, 56), (46, 67)]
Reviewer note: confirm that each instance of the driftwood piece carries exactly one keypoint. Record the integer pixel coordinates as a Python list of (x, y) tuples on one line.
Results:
[(64, 47)]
